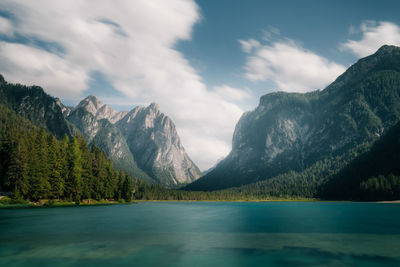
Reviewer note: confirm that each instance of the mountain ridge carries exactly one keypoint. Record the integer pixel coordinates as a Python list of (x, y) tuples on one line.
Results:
[(152, 136), (166, 161), (147, 139), (101, 111), (291, 131), (34, 104)]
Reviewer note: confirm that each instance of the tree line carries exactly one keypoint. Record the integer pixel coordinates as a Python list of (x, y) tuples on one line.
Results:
[(380, 188)]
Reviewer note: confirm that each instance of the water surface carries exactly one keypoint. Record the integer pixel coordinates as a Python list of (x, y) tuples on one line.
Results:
[(203, 234)]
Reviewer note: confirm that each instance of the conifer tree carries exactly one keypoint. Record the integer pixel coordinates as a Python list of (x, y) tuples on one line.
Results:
[(55, 160), (109, 182), (99, 172), (74, 179), (38, 165), (87, 173), (16, 176), (64, 171), (127, 189), (120, 184)]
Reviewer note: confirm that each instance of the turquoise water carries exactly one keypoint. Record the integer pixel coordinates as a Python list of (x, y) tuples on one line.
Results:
[(203, 234)]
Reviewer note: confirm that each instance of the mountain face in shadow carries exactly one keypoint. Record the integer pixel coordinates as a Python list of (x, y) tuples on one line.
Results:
[(291, 131)]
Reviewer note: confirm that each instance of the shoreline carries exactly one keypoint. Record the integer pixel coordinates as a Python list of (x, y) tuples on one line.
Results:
[(389, 202), (86, 203), (269, 200), (108, 203), (60, 204)]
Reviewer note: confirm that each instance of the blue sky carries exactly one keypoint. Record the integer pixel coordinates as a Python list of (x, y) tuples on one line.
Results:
[(204, 62), (320, 26)]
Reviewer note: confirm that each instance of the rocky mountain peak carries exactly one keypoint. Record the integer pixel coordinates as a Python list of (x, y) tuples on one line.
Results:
[(91, 103), (386, 58), (156, 146), (388, 49), (99, 110), (143, 116), (144, 139), (32, 103), (154, 106), (132, 114)]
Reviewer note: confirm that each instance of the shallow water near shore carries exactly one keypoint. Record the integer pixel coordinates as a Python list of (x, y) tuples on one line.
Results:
[(203, 234)]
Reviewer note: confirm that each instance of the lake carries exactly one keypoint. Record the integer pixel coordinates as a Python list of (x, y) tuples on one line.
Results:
[(203, 234)]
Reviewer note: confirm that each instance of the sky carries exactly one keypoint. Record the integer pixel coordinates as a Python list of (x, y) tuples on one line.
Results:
[(204, 62)]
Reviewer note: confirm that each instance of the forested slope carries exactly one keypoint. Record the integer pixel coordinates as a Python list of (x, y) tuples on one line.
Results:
[(35, 165)]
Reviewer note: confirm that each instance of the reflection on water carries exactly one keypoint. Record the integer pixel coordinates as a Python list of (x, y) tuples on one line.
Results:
[(203, 234)]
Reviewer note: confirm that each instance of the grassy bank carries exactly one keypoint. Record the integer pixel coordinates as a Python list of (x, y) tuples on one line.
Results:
[(7, 203), (233, 200)]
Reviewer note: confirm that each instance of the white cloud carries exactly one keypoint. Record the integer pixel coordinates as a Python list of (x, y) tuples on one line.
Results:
[(5, 26), (131, 42), (374, 35), (249, 45), (40, 67), (291, 67), (227, 92)]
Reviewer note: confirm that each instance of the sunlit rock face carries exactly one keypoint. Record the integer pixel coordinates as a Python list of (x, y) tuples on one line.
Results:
[(143, 138), (101, 111), (153, 140)]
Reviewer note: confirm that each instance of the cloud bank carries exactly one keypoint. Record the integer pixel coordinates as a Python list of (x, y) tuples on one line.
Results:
[(58, 45), (291, 67), (373, 36)]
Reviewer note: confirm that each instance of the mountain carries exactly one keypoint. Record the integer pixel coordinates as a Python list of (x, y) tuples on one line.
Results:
[(293, 131), (99, 110), (155, 144), (105, 135), (85, 122), (111, 141), (144, 141), (379, 166), (64, 109), (213, 167), (147, 147), (32, 103)]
